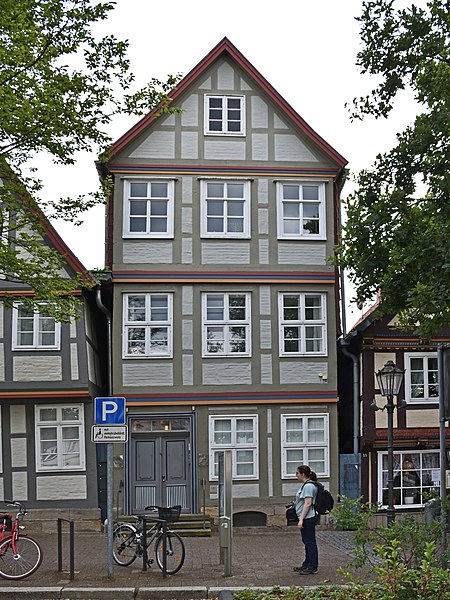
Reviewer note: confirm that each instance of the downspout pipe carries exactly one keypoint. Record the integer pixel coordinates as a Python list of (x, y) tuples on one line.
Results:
[(107, 313), (356, 416), (109, 445)]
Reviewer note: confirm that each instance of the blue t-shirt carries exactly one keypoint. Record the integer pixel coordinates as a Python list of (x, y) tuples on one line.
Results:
[(308, 490)]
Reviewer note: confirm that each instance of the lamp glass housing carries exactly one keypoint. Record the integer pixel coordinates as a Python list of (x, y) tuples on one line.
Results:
[(390, 379)]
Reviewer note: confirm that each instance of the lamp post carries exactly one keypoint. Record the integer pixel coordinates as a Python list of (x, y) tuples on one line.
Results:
[(389, 380)]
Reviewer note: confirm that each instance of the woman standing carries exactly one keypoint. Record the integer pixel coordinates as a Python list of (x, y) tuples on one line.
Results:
[(304, 507)]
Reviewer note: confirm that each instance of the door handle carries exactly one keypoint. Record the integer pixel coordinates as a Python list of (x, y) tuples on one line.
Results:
[(163, 478)]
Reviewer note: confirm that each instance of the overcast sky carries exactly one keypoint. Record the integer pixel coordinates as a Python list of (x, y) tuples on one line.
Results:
[(305, 48)]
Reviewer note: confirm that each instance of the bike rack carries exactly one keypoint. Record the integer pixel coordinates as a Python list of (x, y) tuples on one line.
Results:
[(144, 543), (71, 546)]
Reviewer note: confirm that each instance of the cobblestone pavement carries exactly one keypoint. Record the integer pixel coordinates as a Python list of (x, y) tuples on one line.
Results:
[(260, 558)]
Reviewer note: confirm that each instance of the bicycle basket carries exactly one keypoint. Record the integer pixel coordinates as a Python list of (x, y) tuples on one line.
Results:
[(170, 514)]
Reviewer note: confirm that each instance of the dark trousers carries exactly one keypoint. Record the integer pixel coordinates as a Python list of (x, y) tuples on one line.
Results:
[(308, 532)]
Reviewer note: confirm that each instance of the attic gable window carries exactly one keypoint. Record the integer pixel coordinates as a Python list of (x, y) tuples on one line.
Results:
[(224, 115), (148, 208)]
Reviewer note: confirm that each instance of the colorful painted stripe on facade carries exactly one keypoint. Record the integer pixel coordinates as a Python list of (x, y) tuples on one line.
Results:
[(231, 399), (314, 277), (125, 169), (32, 394)]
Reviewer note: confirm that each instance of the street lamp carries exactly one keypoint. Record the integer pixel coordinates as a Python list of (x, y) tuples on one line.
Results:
[(389, 380)]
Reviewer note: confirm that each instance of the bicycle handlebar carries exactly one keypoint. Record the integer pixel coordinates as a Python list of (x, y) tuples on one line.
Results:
[(22, 508)]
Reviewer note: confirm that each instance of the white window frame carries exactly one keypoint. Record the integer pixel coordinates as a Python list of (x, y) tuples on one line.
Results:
[(224, 131), (169, 233), (147, 324), (59, 424), (37, 318), (227, 230), (302, 233), (306, 445), (408, 378), (398, 462), (226, 324), (302, 323), (234, 446)]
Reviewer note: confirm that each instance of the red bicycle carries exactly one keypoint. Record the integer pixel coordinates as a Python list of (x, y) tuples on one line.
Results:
[(20, 554)]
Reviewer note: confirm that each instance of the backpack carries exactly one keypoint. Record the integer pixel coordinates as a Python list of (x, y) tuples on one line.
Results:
[(324, 500)]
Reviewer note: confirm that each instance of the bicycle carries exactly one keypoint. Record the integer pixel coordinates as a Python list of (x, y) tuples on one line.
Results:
[(20, 554), (128, 542)]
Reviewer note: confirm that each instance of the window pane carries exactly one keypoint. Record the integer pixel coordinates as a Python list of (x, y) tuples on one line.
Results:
[(138, 190), (237, 308), (291, 192), (159, 190), (159, 308), (244, 431), (222, 431), (313, 308), (136, 308), (316, 429), (244, 462), (310, 192), (136, 340), (291, 210), (294, 430), (70, 413), (214, 308), (235, 190), (215, 190), (138, 207), (313, 336), (138, 225), (291, 311), (294, 458), (47, 414), (215, 208), (158, 207), (237, 339), (158, 339), (215, 339)]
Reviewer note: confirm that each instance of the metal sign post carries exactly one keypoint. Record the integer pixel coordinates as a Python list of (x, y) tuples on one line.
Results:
[(108, 413), (225, 510)]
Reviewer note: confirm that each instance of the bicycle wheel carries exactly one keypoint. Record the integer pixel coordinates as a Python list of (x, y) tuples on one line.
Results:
[(26, 561), (125, 545), (174, 552)]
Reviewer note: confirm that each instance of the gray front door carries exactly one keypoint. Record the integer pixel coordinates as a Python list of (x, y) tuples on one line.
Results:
[(160, 470)]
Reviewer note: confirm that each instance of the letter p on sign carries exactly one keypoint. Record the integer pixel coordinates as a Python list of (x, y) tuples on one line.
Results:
[(109, 411)]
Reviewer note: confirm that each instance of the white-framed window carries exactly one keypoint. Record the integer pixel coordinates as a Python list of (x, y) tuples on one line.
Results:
[(301, 210), (34, 331), (416, 476), (304, 441), (421, 377), (303, 328), (240, 435), (148, 208), (226, 324), (147, 325), (60, 437), (224, 115), (225, 209)]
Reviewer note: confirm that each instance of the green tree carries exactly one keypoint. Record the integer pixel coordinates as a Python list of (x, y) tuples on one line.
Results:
[(60, 87), (396, 239)]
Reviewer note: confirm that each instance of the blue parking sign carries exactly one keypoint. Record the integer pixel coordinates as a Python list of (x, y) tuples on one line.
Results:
[(109, 411)]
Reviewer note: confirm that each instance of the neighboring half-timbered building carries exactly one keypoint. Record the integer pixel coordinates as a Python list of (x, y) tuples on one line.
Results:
[(374, 340), (225, 306), (49, 374)]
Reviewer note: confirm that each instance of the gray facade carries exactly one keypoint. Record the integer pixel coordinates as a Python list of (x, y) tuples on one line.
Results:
[(224, 304)]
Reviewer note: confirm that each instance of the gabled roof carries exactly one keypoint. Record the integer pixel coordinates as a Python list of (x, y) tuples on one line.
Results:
[(47, 228), (224, 48)]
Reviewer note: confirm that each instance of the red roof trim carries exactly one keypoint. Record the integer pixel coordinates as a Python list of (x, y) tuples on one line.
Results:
[(225, 46)]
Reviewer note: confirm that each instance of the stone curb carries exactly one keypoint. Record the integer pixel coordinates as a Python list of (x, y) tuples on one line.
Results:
[(173, 593)]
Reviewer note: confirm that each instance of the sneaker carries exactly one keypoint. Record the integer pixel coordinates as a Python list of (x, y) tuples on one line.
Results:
[(298, 569), (307, 571)]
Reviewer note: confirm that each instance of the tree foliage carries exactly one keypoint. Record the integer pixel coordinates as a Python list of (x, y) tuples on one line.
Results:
[(60, 87), (397, 234)]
